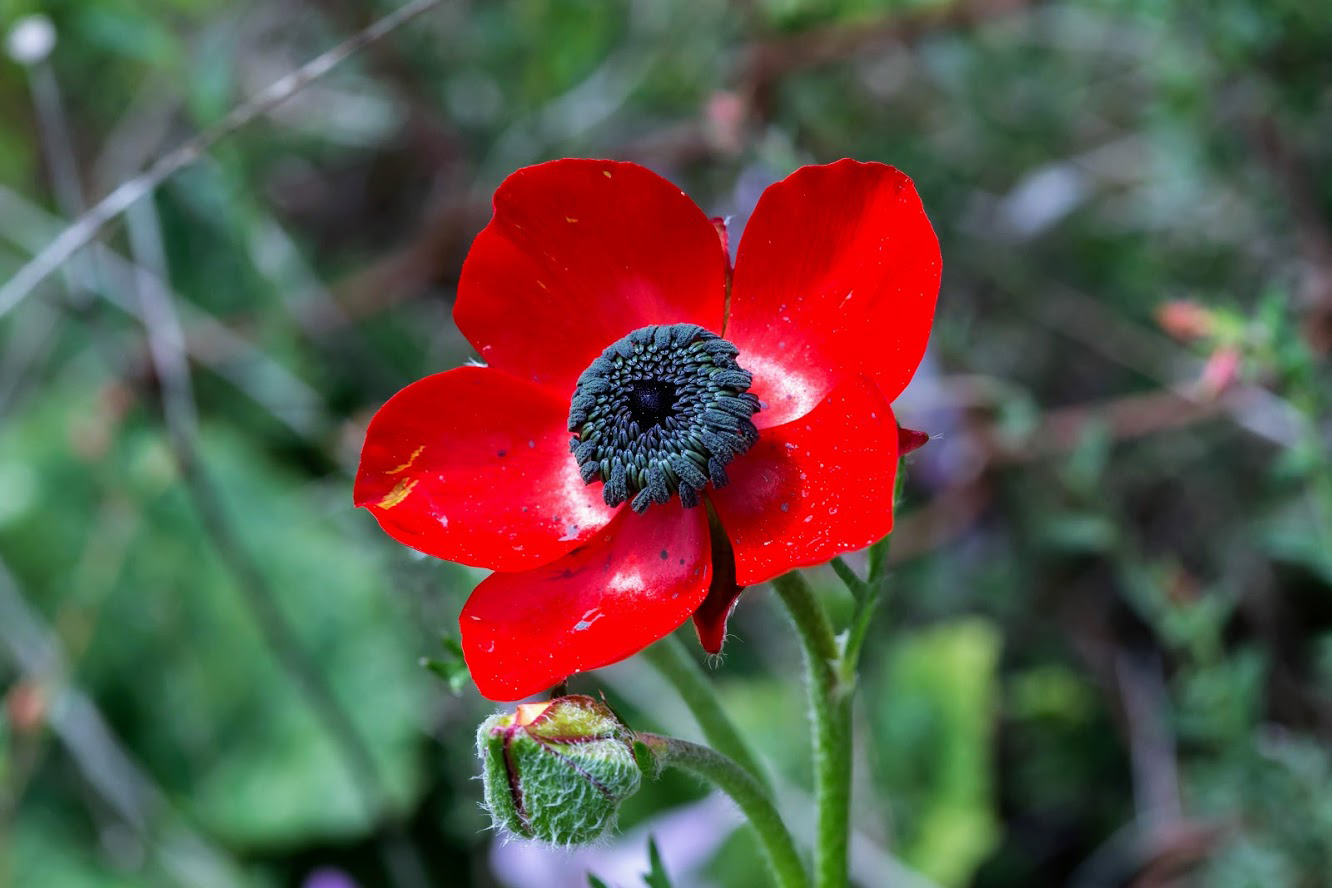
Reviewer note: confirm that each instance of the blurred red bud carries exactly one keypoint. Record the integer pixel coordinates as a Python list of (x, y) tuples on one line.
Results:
[(1185, 319), (1221, 371), (25, 707), (724, 121)]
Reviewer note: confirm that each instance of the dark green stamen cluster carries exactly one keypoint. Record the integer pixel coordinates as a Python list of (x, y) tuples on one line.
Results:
[(661, 412)]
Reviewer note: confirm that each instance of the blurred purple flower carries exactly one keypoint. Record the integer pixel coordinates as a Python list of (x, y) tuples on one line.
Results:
[(328, 877)]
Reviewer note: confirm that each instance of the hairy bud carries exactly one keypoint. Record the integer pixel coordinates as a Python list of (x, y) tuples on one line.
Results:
[(557, 771)]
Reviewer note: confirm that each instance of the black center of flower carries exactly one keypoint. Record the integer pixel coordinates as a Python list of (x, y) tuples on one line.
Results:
[(662, 412), (650, 402)]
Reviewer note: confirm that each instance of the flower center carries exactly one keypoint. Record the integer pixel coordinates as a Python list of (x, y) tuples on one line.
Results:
[(661, 412)]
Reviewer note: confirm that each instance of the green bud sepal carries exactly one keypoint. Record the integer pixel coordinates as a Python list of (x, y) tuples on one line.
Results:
[(557, 772)]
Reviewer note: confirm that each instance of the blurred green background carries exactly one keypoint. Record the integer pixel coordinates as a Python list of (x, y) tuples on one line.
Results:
[(1107, 654)]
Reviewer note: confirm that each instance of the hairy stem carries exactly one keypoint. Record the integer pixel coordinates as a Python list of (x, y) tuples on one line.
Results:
[(854, 584), (873, 592), (672, 660), (830, 705), (746, 792)]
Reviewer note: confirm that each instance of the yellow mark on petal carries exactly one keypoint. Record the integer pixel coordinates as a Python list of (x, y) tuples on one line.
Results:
[(570, 219), (407, 465), (397, 494), (606, 173), (542, 285)]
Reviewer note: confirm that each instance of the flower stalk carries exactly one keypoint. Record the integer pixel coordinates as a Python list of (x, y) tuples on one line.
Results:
[(832, 676), (749, 795), (871, 592), (830, 707), (675, 664)]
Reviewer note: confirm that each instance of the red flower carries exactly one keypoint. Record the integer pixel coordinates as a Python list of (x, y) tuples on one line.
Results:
[(828, 311)]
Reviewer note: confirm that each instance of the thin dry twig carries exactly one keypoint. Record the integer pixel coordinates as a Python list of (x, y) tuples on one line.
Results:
[(209, 341), (82, 231), (166, 345), (1123, 418)]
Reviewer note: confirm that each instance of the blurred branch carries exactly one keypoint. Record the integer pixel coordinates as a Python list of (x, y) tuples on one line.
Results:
[(118, 781), (209, 342), (1080, 317), (434, 254), (1125, 418), (87, 226), (1136, 858), (1312, 226), (587, 103), (767, 61), (1146, 707), (166, 343), (1160, 845)]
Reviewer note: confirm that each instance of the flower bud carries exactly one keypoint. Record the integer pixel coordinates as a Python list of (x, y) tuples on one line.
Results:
[(557, 771), (1186, 320)]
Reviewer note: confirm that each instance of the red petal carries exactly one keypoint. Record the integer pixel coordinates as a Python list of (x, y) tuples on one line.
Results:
[(813, 488), (473, 465), (836, 275), (633, 584), (579, 253), (723, 593), (909, 440), (719, 224)]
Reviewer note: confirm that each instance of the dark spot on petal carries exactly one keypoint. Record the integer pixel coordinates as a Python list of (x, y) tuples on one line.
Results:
[(665, 554), (502, 454)]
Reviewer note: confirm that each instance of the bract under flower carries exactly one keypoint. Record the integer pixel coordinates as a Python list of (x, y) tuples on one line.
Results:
[(832, 297)]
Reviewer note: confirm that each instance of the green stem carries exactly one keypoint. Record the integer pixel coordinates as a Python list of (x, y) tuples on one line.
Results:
[(854, 584), (670, 658), (874, 589), (830, 702), (746, 792)]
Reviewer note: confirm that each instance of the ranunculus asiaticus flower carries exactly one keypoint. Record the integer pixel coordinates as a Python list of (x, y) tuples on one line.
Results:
[(652, 430)]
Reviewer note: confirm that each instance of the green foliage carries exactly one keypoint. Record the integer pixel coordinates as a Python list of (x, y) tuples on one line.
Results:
[(1083, 161), (933, 718), (254, 765), (656, 876), (45, 851), (452, 669)]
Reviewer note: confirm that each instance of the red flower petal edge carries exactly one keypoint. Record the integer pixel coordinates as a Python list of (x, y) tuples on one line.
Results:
[(723, 593), (633, 584), (836, 276), (830, 306), (578, 254), (813, 488), (909, 440), (473, 466)]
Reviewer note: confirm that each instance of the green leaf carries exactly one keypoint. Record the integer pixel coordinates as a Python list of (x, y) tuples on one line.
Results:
[(656, 876), (452, 668)]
